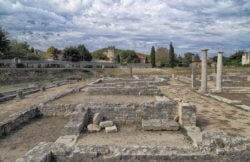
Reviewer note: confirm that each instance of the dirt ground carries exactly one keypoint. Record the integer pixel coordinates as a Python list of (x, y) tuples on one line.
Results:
[(243, 97), (131, 136), (29, 135), (211, 114), (81, 97), (13, 106)]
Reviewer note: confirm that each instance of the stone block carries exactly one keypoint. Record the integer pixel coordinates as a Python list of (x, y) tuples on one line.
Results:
[(68, 140), (105, 124), (73, 128), (40, 153), (112, 129), (78, 121), (98, 117), (94, 128), (159, 124), (195, 134), (187, 115)]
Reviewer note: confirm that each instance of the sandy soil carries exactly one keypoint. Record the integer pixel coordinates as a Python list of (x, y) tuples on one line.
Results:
[(245, 98), (131, 136), (22, 140), (211, 114), (13, 106), (81, 97)]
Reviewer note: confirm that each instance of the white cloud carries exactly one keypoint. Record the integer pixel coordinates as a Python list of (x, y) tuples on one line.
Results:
[(130, 24)]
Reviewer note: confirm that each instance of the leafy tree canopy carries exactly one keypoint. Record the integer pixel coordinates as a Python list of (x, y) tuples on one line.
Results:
[(53, 53), (128, 56)]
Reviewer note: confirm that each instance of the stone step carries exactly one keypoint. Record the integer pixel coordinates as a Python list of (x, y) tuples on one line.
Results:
[(160, 124)]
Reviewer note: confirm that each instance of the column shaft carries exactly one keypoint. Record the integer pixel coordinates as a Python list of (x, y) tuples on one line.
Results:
[(204, 71), (219, 72)]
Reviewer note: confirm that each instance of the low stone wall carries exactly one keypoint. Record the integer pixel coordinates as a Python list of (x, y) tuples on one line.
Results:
[(236, 103), (57, 64), (17, 119), (123, 91), (232, 77), (128, 112), (64, 152), (26, 91)]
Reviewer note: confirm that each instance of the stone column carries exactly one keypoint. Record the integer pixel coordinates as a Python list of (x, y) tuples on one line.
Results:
[(204, 71), (219, 72), (193, 78)]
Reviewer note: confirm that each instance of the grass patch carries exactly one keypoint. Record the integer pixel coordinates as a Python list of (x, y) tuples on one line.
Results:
[(13, 87)]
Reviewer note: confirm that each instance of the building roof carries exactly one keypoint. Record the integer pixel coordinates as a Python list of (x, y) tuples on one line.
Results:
[(142, 57)]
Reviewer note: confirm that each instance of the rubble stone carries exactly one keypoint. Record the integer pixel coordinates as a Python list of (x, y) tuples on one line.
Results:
[(98, 117), (112, 129), (105, 124), (94, 128)]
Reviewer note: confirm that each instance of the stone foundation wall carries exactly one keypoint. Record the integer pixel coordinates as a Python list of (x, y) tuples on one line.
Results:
[(60, 152), (128, 112), (123, 91), (18, 119)]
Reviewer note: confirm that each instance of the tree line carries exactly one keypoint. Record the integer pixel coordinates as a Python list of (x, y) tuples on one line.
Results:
[(73, 53), (121, 56), (162, 57), (11, 48)]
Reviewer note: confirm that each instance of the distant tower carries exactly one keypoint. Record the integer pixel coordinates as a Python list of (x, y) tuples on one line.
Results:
[(111, 53)]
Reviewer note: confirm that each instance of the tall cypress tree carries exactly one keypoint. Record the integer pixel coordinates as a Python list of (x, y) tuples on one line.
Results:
[(171, 55), (152, 56)]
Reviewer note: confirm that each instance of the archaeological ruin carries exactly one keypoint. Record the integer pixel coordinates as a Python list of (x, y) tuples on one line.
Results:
[(138, 117)]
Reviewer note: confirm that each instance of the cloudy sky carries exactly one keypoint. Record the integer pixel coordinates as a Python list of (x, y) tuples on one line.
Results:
[(130, 24)]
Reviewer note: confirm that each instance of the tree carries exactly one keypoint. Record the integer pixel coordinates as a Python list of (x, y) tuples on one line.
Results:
[(179, 61), (152, 56), (161, 56), (171, 59), (72, 54), (117, 58), (187, 60), (4, 43), (197, 58), (236, 58), (84, 52), (18, 49), (99, 56), (32, 49), (128, 56), (53, 53)]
